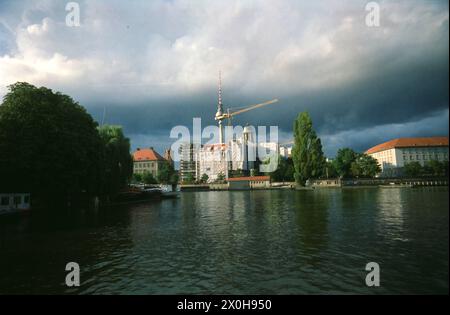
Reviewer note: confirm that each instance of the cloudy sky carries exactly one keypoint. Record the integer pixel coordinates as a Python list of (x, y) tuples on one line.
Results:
[(154, 64)]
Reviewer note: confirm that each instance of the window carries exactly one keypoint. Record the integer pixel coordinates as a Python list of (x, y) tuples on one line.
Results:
[(26, 199), (4, 201)]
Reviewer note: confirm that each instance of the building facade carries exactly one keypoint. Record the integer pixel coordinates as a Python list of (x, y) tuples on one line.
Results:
[(394, 154), (212, 160), (188, 166), (286, 152), (147, 160)]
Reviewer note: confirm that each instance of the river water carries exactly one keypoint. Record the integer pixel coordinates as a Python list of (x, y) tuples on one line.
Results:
[(242, 242)]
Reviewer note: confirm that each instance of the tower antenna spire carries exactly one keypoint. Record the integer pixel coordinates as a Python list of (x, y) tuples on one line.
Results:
[(220, 105), (219, 113)]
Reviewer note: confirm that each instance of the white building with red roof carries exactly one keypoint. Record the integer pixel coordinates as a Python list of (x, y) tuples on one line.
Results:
[(147, 160), (394, 154)]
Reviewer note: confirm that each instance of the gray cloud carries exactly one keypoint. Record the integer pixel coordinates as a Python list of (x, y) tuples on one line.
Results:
[(154, 64)]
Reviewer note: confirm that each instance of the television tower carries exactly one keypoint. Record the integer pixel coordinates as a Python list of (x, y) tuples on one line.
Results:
[(219, 113)]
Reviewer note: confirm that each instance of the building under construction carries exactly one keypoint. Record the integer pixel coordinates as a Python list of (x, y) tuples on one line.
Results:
[(219, 160)]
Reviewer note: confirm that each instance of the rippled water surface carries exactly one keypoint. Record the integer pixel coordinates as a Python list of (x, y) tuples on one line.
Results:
[(252, 242)]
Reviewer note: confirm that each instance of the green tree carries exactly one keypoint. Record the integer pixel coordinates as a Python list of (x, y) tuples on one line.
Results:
[(413, 169), (220, 177), (365, 166), (117, 164), (343, 162), (137, 178), (284, 171), (307, 151), (355, 169), (204, 178), (166, 174), (330, 170), (148, 178), (49, 145), (435, 168), (190, 179), (174, 178), (289, 170)]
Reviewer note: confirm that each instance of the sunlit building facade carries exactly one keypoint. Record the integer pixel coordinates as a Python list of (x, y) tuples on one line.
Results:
[(394, 154)]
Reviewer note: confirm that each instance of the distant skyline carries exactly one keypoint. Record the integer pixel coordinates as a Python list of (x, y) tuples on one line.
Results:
[(154, 64)]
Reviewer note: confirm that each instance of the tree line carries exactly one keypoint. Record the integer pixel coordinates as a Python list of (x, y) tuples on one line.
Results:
[(308, 160), (432, 168), (51, 147)]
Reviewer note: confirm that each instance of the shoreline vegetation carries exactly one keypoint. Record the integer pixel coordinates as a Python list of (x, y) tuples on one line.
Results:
[(52, 148)]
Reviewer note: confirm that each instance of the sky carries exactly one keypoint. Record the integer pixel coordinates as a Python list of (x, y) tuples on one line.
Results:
[(153, 65)]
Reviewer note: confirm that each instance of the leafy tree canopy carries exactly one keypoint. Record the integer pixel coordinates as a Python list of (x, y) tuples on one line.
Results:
[(343, 162), (167, 174), (365, 166), (307, 154), (148, 178), (49, 144), (117, 160)]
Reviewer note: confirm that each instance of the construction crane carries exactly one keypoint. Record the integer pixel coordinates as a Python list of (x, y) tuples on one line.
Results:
[(220, 115), (228, 115)]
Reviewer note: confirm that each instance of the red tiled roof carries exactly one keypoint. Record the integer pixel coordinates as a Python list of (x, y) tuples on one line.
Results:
[(147, 155), (410, 142), (249, 178)]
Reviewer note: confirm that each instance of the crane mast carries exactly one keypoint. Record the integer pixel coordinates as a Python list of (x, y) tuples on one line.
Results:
[(222, 115)]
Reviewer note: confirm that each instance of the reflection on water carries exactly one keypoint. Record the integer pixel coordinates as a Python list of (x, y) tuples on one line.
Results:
[(237, 242)]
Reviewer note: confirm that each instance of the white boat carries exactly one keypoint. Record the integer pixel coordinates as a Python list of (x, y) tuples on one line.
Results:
[(14, 203), (168, 191)]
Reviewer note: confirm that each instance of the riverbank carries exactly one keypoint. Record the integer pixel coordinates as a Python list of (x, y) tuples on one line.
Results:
[(330, 183)]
